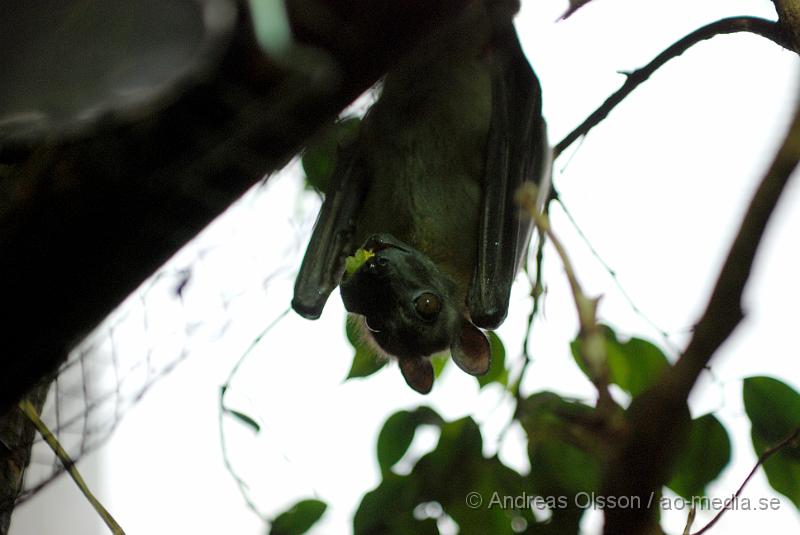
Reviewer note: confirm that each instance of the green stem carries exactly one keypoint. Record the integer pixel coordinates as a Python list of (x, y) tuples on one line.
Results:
[(29, 411)]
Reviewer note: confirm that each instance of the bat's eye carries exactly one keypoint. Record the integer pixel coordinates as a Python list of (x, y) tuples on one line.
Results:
[(428, 306)]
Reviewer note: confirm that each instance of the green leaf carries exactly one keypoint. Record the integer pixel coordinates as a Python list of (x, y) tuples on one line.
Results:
[(395, 438), (365, 363), (366, 360), (389, 508), (398, 433), (706, 452), (319, 158), (245, 419), (634, 365), (299, 518), (772, 406), (558, 467), (774, 411), (456, 468), (439, 362), (562, 445), (445, 477), (497, 371)]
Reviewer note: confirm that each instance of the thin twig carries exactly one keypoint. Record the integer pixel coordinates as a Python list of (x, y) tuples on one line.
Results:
[(536, 294), (592, 349), (689, 520), (765, 28), (30, 412), (613, 274), (761, 460), (241, 484)]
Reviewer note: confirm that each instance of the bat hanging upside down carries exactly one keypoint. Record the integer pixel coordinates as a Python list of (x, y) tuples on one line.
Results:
[(427, 193)]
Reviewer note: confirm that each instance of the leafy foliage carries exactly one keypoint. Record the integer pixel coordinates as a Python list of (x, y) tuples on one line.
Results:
[(245, 419), (497, 371), (568, 447), (565, 455), (706, 453), (398, 432), (774, 411), (299, 518), (443, 482), (366, 360), (634, 365), (319, 158)]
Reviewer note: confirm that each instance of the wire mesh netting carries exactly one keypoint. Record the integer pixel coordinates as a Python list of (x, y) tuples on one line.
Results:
[(238, 271)]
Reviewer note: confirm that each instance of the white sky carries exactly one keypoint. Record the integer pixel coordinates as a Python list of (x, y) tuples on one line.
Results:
[(658, 188)]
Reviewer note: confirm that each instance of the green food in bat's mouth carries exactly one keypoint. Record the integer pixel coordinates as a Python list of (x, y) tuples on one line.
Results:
[(353, 263)]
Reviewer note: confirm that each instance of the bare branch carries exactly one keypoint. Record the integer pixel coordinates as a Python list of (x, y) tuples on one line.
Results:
[(659, 418), (761, 460), (765, 28), (592, 350), (789, 17)]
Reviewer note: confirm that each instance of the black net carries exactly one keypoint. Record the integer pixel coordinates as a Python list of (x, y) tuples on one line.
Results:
[(244, 262)]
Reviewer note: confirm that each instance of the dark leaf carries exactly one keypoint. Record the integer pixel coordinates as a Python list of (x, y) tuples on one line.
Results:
[(319, 158), (456, 468), (497, 371), (440, 484), (299, 518), (366, 360), (398, 433), (439, 362), (706, 453), (245, 419), (634, 365), (562, 445), (774, 411), (388, 509), (395, 438)]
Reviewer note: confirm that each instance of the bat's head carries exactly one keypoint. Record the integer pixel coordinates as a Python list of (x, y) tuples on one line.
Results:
[(412, 310)]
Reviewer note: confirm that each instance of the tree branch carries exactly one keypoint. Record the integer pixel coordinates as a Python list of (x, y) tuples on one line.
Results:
[(789, 17), (658, 419), (765, 28)]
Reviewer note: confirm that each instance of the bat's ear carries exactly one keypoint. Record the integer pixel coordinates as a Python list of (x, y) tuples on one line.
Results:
[(471, 349), (418, 373)]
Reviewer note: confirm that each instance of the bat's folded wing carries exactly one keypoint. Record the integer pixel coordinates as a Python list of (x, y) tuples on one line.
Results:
[(323, 263), (517, 151)]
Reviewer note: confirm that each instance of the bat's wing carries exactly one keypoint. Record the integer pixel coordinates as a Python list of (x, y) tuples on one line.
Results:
[(331, 241), (517, 151)]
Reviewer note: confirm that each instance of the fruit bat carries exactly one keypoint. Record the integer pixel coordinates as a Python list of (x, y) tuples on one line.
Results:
[(426, 195)]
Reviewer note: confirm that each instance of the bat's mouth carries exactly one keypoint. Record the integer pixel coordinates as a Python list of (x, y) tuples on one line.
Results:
[(372, 258), (383, 241), (375, 277)]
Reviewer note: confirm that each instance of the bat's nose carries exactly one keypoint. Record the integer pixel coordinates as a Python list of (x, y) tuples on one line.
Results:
[(378, 262)]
